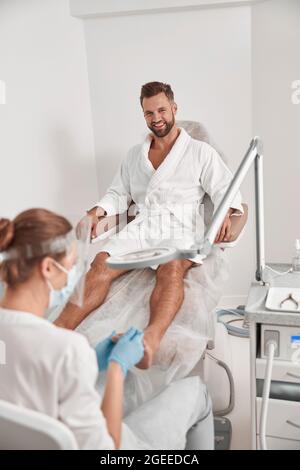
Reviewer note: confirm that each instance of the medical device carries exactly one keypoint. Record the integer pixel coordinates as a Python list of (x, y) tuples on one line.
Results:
[(296, 259), (272, 312), (280, 343), (286, 340), (163, 254)]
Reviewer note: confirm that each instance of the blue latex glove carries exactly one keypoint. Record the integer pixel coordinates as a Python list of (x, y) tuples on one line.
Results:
[(103, 350), (129, 350)]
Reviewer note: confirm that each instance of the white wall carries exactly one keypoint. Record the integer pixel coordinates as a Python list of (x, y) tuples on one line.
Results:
[(46, 137), (276, 64), (206, 56), (222, 62)]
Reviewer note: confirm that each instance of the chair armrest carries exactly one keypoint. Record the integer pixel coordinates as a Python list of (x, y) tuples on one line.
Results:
[(238, 223)]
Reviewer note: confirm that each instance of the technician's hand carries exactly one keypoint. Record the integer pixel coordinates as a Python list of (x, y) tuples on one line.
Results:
[(96, 214), (129, 350), (104, 349), (224, 234)]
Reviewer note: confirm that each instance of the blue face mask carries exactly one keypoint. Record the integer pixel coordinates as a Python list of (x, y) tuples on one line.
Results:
[(58, 298)]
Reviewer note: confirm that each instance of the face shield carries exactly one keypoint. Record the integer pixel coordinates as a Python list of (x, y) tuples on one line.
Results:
[(83, 239), (75, 245)]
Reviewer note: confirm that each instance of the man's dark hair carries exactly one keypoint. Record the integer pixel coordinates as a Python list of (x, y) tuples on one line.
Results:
[(154, 88)]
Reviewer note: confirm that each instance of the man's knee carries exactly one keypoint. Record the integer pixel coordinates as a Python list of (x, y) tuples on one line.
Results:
[(173, 270)]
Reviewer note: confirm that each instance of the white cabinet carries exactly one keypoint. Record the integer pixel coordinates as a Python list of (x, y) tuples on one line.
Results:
[(285, 371), (283, 419), (276, 443), (283, 328)]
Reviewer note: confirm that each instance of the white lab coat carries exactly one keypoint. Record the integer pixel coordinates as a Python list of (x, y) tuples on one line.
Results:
[(54, 371), (168, 197)]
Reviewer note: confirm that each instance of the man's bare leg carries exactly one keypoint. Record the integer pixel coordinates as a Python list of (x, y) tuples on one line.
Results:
[(166, 300), (97, 284)]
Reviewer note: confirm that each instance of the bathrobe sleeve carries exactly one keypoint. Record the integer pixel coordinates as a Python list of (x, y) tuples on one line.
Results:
[(118, 197), (215, 178), (79, 401)]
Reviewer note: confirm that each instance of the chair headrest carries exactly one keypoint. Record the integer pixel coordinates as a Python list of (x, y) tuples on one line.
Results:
[(198, 132)]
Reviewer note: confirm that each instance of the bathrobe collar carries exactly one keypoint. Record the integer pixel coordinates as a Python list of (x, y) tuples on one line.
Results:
[(170, 162)]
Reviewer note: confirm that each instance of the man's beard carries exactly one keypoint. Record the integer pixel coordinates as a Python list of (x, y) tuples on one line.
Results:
[(165, 130)]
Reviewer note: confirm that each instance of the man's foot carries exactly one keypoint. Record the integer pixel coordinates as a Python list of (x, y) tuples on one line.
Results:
[(151, 345), (150, 349)]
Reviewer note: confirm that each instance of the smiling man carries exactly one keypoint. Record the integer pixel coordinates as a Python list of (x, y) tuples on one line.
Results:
[(166, 176)]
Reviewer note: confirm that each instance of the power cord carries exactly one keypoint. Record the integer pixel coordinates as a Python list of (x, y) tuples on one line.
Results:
[(242, 332), (271, 348)]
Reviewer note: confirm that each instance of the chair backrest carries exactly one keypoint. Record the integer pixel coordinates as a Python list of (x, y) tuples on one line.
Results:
[(198, 132), (24, 429)]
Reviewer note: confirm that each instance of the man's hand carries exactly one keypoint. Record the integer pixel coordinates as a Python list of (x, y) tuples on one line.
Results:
[(224, 234), (96, 214)]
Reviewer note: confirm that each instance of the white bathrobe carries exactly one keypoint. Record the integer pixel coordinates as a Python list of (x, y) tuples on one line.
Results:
[(168, 198)]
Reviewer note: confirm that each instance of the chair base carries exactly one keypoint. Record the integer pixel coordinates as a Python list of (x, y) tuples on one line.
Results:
[(223, 433)]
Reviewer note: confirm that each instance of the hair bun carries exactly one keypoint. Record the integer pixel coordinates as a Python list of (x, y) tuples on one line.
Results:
[(6, 233)]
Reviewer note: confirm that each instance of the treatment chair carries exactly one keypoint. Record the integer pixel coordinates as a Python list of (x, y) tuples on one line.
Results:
[(24, 429), (215, 372), (21, 428)]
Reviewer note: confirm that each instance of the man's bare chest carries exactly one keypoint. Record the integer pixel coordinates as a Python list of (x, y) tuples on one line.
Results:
[(156, 157)]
